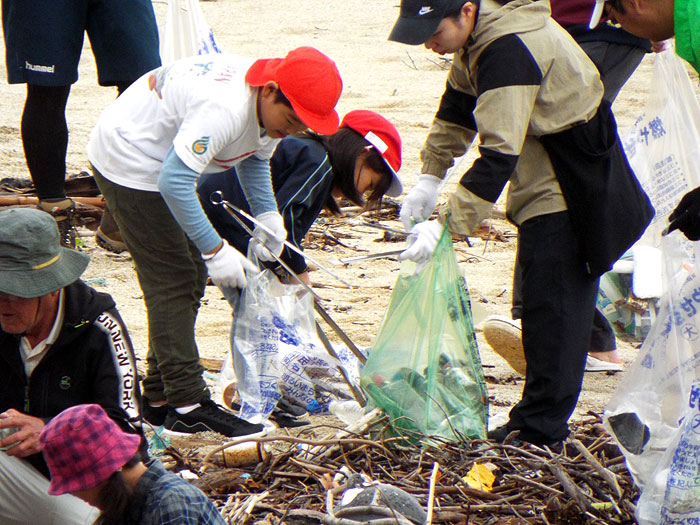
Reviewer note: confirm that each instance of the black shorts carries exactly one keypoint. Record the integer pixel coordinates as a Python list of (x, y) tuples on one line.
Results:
[(44, 39)]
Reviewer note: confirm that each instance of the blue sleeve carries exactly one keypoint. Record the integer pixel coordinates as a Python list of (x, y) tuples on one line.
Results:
[(254, 176), (177, 184)]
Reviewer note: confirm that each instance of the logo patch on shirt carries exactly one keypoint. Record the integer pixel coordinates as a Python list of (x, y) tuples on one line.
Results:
[(199, 146), (65, 383)]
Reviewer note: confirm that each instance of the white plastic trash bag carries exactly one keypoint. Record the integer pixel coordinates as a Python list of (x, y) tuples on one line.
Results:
[(663, 148), (645, 413), (186, 32), (276, 352)]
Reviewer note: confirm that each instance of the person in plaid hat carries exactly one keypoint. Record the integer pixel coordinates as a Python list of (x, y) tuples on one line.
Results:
[(90, 457), (62, 343)]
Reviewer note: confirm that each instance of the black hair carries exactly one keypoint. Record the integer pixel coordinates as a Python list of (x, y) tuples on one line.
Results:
[(115, 496), (456, 12), (281, 98), (616, 5), (344, 147)]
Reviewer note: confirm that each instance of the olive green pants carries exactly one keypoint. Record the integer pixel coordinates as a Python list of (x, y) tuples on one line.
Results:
[(172, 276)]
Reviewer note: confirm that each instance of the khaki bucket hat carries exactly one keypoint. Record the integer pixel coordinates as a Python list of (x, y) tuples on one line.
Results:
[(32, 261)]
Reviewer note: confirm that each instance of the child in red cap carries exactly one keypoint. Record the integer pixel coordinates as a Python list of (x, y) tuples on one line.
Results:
[(90, 457), (203, 114), (308, 173)]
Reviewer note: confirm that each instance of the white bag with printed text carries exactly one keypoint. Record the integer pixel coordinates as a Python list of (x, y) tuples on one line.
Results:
[(645, 413), (186, 32)]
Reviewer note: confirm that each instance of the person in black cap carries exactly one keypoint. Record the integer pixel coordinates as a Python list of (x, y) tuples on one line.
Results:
[(62, 344), (616, 54), (520, 82)]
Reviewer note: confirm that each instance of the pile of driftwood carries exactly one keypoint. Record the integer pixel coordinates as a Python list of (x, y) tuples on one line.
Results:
[(82, 188), (584, 482)]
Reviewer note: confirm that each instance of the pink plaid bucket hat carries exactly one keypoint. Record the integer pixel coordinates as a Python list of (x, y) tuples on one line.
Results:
[(83, 447)]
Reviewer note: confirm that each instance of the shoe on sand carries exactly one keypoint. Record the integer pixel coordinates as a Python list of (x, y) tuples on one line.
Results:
[(593, 364), (505, 336), (108, 236), (63, 211), (209, 417)]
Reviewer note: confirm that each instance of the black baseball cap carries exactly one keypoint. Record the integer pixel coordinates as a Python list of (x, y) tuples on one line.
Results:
[(419, 19)]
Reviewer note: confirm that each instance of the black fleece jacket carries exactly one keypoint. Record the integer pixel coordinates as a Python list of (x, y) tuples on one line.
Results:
[(92, 361)]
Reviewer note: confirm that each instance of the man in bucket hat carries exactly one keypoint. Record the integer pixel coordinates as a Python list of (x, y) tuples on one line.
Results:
[(61, 344), (203, 114), (92, 458)]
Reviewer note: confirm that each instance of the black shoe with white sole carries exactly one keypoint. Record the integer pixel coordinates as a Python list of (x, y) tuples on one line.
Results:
[(154, 415), (209, 417)]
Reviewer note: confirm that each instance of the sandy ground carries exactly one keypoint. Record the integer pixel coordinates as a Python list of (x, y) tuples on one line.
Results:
[(404, 84)]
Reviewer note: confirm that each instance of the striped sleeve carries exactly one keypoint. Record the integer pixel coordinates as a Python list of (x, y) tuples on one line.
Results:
[(302, 194), (508, 79), (453, 128)]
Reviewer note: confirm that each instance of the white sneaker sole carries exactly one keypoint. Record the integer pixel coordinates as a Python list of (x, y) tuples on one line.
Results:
[(175, 433), (593, 364)]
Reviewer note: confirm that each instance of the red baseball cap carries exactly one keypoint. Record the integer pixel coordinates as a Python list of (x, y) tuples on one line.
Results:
[(311, 82), (382, 134), (83, 447)]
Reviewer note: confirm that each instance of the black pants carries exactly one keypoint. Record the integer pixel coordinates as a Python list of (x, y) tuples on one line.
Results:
[(602, 334), (557, 313), (45, 137)]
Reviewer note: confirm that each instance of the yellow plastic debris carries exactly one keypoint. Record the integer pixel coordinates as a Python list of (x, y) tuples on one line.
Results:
[(480, 477)]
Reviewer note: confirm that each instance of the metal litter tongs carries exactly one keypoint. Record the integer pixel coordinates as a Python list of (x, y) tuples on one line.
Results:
[(217, 198)]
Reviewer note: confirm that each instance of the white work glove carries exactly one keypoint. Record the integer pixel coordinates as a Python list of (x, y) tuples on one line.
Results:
[(263, 244), (422, 241), (227, 267), (420, 201)]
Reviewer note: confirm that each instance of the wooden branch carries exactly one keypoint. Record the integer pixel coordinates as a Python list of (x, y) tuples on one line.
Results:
[(22, 200)]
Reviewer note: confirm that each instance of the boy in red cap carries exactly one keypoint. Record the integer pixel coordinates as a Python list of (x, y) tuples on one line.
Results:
[(308, 172), (203, 114)]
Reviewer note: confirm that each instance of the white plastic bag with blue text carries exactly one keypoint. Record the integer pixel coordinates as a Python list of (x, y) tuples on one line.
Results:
[(645, 413), (186, 32)]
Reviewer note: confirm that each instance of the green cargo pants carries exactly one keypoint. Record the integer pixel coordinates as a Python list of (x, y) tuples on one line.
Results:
[(172, 276)]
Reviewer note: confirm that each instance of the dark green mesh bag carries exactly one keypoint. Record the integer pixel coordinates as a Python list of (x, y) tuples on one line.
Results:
[(424, 369)]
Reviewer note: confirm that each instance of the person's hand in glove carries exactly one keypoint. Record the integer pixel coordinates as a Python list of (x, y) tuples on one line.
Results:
[(686, 216), (422, 241), (227, 267), (420, 201), (265, 244)]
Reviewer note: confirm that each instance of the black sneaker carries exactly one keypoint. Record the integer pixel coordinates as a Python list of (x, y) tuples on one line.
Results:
[(209, 417), (503, 435), (154, 415), (284, 420)]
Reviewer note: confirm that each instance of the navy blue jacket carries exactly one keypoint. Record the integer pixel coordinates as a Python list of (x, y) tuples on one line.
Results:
[(302, 180)]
